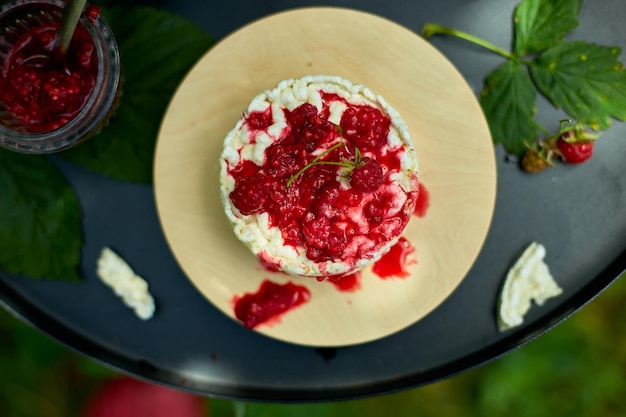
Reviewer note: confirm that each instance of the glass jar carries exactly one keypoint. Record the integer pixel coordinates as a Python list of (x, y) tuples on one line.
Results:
[(50, 103)]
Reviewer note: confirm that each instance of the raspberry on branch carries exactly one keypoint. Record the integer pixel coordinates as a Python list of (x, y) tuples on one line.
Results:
[(572, 144)]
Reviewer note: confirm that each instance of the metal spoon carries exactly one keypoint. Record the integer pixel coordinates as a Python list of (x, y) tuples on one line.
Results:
[(69, 20)]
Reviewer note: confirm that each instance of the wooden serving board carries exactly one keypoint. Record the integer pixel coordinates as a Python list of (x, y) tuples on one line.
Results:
[(454, 148)]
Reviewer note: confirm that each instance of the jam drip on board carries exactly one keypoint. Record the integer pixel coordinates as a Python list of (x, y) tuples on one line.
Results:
[(347, 283), (423, 201), (394, 263), (269, 302), (312, 201), (41, 90)]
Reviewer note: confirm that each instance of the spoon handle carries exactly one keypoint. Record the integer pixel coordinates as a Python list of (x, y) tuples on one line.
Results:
[(69, 20)]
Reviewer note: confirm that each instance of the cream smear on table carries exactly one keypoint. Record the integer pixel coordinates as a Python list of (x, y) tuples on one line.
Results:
[(528, 280), (130, 287)]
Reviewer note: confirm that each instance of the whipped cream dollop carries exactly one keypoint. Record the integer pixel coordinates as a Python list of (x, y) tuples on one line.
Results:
[(528, 280), (130, 287)]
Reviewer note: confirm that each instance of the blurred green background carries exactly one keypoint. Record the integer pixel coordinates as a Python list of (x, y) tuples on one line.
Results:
[(576, 369)]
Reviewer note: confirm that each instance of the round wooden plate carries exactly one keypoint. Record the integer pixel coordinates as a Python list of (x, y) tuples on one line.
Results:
[(456, 160)]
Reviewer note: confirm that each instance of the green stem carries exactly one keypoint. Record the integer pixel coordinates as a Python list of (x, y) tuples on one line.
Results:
[(316, 161), (432, 29)]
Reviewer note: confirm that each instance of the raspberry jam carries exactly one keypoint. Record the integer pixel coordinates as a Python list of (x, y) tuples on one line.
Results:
[(42, 91), (330, 189), (423, 201), (269, 302), (394, 263), (347, 283), (92, 12)]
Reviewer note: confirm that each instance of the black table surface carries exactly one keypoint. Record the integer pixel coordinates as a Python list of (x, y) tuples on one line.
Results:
[(578, 213)]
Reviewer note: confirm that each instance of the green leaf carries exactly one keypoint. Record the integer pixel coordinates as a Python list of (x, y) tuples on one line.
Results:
[(157, 50), (541, 24), (586, 80), (41, 229), (94, 370), (288, 410), (508, 101)]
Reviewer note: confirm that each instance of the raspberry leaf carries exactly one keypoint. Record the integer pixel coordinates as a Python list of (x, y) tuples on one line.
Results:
[(41, 232), (586, 80), (157, 49), (508, 100), (541, 24)]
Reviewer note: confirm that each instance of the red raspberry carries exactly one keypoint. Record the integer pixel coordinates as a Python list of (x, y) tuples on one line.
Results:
[(312, 181), (315, 254), (368, 176), (365, 127), (281, 202), (92, 12), (326, 199), (301, 114), (292, 234), (250, 194), (574, 152), (316, 232), (260, 120), (336, 244), (307, 126), (284, 160)]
